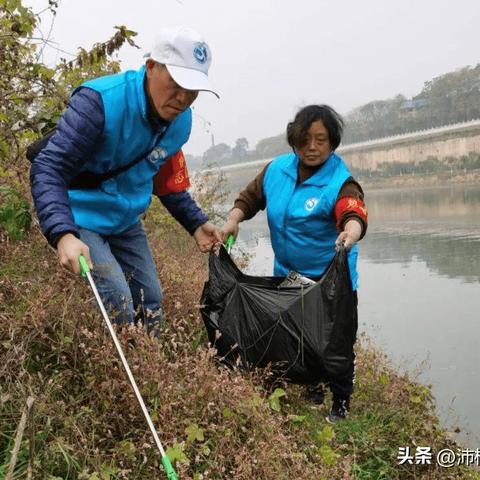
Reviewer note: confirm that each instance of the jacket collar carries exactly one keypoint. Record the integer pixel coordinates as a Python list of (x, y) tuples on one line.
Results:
[(146, 106), (141, 93), (320, 178)]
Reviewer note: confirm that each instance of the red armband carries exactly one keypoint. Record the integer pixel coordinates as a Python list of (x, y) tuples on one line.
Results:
[(350, 205), (172, 176)]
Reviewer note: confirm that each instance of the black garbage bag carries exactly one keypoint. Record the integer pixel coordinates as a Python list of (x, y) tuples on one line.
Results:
[(306, 332)]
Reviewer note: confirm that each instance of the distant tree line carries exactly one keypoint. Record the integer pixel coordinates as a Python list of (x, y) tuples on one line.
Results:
[(223, 154), (450, 98)]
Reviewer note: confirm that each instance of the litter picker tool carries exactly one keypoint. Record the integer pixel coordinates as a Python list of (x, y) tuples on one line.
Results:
[(229, 243), (85, 271)]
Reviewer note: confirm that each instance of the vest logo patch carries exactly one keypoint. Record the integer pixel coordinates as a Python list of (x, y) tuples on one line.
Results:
[(310, 204), (157, 154)]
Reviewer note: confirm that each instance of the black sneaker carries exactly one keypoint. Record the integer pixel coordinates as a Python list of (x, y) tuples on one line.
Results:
[(316, 396), (339, 410)]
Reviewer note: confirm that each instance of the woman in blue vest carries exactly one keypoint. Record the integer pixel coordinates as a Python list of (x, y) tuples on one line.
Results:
[(313, 204)]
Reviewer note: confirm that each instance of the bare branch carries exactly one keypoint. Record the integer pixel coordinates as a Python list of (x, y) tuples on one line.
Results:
[(19, 437)]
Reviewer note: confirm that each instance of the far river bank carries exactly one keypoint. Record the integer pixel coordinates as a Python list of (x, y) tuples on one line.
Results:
[(471, 177)]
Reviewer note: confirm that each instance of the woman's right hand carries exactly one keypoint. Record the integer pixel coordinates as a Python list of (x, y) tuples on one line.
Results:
[(231, 225), (69, 249), (229, 228)]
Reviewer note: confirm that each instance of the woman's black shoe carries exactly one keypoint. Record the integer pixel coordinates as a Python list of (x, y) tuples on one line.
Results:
[(316, 396), (339, 410)]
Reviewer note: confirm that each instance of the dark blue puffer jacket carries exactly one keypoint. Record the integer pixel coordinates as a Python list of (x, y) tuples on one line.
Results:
[(79, 133)]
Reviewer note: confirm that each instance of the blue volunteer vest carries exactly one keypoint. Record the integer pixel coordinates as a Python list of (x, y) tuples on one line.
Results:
[(301, 217), (127, 134)]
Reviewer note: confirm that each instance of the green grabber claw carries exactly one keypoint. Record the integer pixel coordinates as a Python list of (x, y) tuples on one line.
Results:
[(83, 266), (171, 475), (229, 243)]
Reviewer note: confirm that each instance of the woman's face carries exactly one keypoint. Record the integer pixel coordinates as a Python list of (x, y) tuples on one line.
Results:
[(316, 149)]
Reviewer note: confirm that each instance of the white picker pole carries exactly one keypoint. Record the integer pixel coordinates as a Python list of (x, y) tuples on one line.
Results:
[(85, 271)]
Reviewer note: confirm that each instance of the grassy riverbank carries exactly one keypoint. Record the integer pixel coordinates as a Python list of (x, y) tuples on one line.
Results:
[(85, 423)]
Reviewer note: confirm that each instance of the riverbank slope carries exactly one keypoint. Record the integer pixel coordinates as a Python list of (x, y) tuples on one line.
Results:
[(218, 424)]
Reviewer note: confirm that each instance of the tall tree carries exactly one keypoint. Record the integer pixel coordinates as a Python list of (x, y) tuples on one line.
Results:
[(33, 95), (220, 153), (240, 150)]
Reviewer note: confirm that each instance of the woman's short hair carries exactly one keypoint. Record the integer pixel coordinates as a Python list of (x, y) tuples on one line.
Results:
[(333, 122)]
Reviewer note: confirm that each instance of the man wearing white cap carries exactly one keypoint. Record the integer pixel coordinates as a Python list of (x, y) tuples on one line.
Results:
[(119, 139)]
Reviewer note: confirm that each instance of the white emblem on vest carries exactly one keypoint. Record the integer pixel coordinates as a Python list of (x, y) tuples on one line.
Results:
[(157, 153), (310, 204)]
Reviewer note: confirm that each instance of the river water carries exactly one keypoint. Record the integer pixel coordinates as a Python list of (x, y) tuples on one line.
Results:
[(419, 290)]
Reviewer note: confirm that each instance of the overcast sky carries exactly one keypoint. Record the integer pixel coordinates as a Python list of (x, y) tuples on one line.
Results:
[(271, 57)]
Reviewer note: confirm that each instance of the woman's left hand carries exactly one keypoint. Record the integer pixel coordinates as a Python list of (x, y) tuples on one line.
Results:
[(350, 235)]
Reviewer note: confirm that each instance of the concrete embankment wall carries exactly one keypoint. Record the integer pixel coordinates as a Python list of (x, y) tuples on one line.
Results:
[(441, 143), (452, 141)]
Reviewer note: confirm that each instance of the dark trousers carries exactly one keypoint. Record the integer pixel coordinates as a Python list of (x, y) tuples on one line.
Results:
[(342, 386)]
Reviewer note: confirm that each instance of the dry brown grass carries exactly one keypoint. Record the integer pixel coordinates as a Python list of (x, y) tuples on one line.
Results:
[(54, 347), (218, 423)]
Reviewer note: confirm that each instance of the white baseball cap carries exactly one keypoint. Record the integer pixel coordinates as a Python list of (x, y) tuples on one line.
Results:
[(186, 55)]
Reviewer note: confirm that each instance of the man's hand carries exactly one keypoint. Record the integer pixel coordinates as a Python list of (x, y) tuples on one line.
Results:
[(69, 249), (350, 235), (206, 236)]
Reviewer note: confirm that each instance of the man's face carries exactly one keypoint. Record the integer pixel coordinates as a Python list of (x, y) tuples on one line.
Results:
[(169, 98)]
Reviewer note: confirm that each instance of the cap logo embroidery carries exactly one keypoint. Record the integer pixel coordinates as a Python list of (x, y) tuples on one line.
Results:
[(310, 204), (200, 53)]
